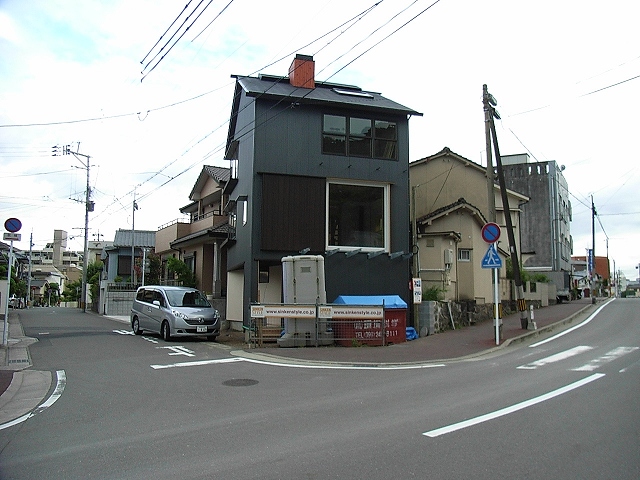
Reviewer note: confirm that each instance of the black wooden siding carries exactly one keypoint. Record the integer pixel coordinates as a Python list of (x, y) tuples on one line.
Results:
[(293, 213)]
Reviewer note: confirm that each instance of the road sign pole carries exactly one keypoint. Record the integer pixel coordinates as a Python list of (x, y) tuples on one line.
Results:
[(495, 301), (5, 328)]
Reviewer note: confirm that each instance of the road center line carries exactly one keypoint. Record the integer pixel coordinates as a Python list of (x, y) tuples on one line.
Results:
[(513, 408), (197, 363)]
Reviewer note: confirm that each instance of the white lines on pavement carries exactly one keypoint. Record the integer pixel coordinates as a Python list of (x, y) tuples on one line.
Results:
[(327, 366), (57, 393), (608, 357), (197, 363), (150, 340), (513, 408), (180, 350), (556, 358), (124, 332), (591, 317)]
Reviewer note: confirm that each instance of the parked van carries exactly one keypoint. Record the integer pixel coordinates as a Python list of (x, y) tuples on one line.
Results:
[(174, 311)]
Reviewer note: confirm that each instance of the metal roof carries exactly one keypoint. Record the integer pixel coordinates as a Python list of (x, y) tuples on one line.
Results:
[(324, 93), (143, 238)]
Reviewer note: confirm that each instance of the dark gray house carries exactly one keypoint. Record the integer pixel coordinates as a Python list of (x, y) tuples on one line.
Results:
[(316, 168)]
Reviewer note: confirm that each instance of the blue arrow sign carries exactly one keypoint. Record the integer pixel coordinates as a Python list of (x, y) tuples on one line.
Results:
[(491, 259)]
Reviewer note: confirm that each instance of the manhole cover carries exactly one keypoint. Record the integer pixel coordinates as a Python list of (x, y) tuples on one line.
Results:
[(240, 382)]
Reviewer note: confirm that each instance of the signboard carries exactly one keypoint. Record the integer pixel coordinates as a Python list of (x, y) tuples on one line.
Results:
[(12, 225), (289, 311), (417, 290), (11, 236), (491, 232), (491, 259)]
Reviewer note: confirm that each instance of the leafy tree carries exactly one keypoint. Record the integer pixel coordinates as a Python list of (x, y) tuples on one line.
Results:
[(182, 271), (94, 270), (72, 291)]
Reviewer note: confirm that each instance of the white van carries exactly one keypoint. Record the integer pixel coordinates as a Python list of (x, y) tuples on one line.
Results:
[(174, 311)]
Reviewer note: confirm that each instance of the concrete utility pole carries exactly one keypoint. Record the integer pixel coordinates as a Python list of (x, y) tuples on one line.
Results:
[(522, 306), (593, 251), (88, 207), (133, 236), (489, 101)]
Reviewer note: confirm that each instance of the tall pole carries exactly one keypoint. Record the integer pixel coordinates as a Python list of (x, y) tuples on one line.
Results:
[(85, 260), (522, 306), (487, 100), (593, 251), (29, 278), (5, 328), (133, 234)]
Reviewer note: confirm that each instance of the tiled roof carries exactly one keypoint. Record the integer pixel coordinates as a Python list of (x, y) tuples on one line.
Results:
[(143, 238)]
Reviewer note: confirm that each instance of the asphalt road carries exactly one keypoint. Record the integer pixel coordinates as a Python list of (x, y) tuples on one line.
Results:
[(137, 407)]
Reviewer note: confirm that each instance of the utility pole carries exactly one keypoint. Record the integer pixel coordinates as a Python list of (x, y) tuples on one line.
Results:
[(88, 207), (522, 306), (593, 251), (133, 236), (489, 101)]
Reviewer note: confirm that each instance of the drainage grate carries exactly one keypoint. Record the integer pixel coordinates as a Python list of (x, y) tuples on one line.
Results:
[(240, 382), (22, 360)]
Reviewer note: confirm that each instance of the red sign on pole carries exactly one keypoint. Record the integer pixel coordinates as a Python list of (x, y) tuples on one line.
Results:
[(491, 232)]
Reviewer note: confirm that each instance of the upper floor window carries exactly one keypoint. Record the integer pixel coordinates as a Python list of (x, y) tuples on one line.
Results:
[(358, 215), (360, 137)]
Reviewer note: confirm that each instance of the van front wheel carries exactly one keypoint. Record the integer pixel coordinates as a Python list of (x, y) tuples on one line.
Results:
[(165, 331), (136, 326)]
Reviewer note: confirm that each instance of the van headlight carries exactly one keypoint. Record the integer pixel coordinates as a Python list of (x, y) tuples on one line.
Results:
[(179, 315)]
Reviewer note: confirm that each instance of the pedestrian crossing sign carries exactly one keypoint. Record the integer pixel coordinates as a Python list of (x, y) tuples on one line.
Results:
[(491, 259)]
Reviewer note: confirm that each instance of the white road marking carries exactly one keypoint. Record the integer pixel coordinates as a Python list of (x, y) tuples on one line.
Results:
[(556, 358), (57, 393), (591, 317), (197, 363), (124, 332), (513, 408), (180, 350), (149, 339), (608, 357)]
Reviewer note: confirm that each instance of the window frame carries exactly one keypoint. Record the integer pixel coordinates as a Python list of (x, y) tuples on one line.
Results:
[(375, 143), (460, 256), (386, 212)]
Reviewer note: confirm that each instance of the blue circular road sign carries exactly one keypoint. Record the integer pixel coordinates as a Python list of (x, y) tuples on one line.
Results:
[(491, 232), (13, 225)]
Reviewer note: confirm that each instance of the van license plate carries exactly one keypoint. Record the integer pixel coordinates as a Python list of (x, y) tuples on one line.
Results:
[(201, 329)]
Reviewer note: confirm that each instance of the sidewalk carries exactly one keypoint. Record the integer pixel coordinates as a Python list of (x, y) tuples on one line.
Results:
[(19, 388), (449, 345)]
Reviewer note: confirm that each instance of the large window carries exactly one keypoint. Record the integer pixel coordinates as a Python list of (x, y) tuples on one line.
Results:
[(360, 137), (357, 215)]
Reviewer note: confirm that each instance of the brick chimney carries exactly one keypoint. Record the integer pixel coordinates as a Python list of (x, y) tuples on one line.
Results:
[(302, 72)]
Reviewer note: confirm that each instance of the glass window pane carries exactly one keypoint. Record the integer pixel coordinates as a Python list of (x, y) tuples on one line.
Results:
[(386, 130), (360, 147), (335, 124), (385, 149), (356, 215), (335, 144), (359, 127)]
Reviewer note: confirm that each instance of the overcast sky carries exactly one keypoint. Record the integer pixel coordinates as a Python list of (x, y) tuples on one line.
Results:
[(566, 75)]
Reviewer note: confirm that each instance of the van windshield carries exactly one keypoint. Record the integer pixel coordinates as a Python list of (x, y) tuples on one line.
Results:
[(190, 298)]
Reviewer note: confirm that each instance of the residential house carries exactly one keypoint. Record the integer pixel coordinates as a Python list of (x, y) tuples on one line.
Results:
[(581, 277), (117, 257), (546, 217), (198, 241), (119, 280), (450, 197), (317, 168)]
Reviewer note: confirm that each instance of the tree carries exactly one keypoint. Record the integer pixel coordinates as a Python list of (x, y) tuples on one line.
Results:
[(94, 270), (72, 291), (182, 271)]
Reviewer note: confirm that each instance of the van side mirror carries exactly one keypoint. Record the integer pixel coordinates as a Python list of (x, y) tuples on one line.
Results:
[(156, 303)]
